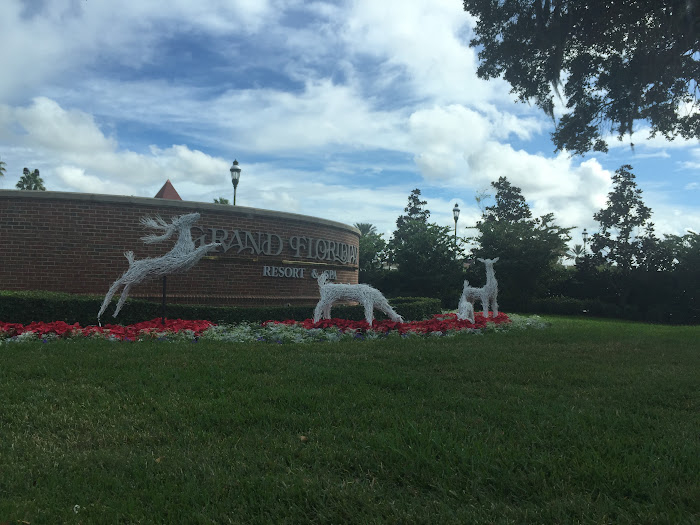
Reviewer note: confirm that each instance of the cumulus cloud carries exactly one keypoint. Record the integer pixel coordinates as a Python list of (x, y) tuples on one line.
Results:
[(82, 158), (66, 36), (458, 146), (422, 43), (50, 126)]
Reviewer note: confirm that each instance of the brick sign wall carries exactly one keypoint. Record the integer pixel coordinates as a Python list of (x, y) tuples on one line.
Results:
[(75, 243)]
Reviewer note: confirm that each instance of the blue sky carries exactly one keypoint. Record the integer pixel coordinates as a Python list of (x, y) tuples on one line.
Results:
[(335, 109)]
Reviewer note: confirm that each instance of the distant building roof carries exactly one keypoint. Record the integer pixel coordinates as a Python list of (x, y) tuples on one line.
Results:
[(168, 192)]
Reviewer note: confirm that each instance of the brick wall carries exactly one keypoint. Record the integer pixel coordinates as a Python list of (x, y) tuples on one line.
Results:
[(75, 243)]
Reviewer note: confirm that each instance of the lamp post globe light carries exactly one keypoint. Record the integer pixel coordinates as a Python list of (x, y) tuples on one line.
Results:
[(235, 177), (455, 214)]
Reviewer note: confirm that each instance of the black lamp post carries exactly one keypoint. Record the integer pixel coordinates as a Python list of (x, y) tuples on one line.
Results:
[(455, 214), (585, 239), (235, 177)]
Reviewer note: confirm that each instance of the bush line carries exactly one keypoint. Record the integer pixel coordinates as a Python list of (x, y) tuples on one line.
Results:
[(40, 306)]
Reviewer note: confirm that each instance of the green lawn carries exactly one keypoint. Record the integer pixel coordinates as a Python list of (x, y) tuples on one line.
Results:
[(584, 422)]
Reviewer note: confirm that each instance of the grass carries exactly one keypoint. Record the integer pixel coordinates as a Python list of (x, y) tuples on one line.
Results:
[(584, 422)]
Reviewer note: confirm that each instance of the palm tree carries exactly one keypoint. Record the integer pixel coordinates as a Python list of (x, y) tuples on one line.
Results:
[(366, 228), (221, 200), (30, 181), (2, 168), (576, 253)]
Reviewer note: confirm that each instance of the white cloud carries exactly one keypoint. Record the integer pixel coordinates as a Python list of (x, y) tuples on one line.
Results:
[(643, 140), (693, 164), (82, 158), (323, 114), (459, 147), (572, 192), (425, 40), (64, 37), (57, 130)]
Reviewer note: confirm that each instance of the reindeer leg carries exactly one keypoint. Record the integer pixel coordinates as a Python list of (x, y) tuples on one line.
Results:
[(318, 310), (485, 305), (122, 299), (495, 306), (369, 311), (112, 290)]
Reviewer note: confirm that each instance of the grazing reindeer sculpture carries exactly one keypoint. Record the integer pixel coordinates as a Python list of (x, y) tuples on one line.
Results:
[(364, 294), (182, 257), (486, 294)]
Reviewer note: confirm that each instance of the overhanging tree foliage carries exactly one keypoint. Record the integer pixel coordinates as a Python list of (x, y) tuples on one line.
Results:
[(619, 62)]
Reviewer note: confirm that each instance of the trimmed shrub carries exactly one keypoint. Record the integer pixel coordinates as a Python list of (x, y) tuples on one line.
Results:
[(26, 307)]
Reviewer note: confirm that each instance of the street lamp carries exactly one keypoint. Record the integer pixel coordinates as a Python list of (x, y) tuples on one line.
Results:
[(235, 177), (455, 214), (585, 239)]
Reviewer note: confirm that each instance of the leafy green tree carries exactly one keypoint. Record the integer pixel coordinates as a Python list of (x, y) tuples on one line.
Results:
[(528, 249), (221, 200), (426, 256), (619, 242), (414, 210), (30, 181), (688, 276), (510, 204), (617, 63), (371, 250)]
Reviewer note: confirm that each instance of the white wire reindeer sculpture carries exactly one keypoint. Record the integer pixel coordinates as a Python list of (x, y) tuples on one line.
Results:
[(181, 258), (465, 309), (487, 294), (369, 297)]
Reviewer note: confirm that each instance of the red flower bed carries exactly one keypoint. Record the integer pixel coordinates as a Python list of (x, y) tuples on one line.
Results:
[(131, 332), (438, 323), (154, 328)]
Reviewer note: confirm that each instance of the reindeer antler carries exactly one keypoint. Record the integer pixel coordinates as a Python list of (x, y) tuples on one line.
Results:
[(156, 223)]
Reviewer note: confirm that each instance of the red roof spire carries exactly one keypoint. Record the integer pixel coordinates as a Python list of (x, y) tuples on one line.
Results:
[(168, 192)]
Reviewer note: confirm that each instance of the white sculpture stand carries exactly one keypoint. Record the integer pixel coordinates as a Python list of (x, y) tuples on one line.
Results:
[(486, 294), (182, 257), (370, 298)]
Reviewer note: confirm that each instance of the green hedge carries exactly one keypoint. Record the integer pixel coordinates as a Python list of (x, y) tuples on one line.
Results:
[(27, 307), (562, 305)]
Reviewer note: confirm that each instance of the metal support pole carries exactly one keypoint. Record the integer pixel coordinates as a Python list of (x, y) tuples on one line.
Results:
[(162, 312)]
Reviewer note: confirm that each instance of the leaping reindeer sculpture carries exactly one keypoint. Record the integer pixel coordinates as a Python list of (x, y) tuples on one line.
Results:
[(486, 294), (182, 257), (364, 294)]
